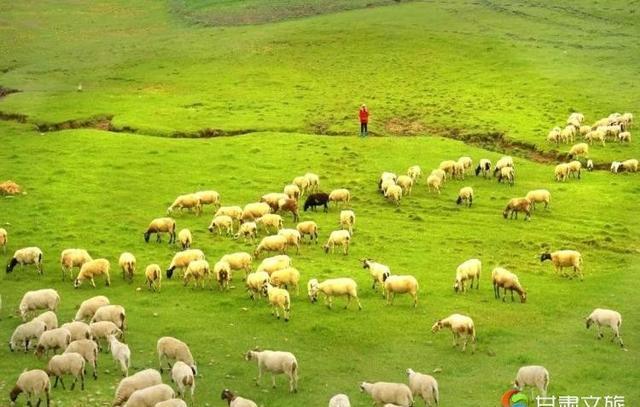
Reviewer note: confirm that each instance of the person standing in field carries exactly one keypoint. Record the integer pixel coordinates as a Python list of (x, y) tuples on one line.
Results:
[(364, 120)]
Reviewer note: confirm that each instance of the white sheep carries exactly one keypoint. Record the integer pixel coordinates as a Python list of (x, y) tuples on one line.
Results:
[(208, 198), (568, 134), (239, 261), (276, 362), (425, 386), (313, 182), (271, 264), (49, 318), (406, 183), (580, 149), (221, 223), (199, 271), (70, 258), (465, 195), (78, 330), (466, 162), (575, 168), (120, 353), (502, 278), (554, 135), (150, 396), (484, 167), (458, 170), (89, 307), (561, 172), (182, 376), (539, 196), (102, 330), (89, 351), (625, 136), (222, 273), (461, 326), (606, 317), (596, 135), (275, 243), (91, 269), (469, 270), (340, 195), (589, 165), (448, 166), (253, 211), (385, 392), (182, 259), (310, 228), (153, 277), (279, 299), (534, 376), (113, 313), (46, 298), (170, 348), (584, 130), (505, 161), (338, 237), (516, 205), (292, 191), (67, 363), (286, 277), (248, 230), (255, 281), (565, 258), (302, 183), (379, 272), (270, 220), (630, 165), (57, 338), (234, 212), (4, 239), (394, 194), (185, 238), (434, 182), (187, 201), (26, 256), (414, 172), (508, 174), (171, 403), (127, 386), (333, 287), (161, 225), (34, 383), (348, 220), (386, 184), (236, 401), (272, 199), (127, 263), (25, 334), (575, 116), (401, 285), (339, 400), (386, 176)]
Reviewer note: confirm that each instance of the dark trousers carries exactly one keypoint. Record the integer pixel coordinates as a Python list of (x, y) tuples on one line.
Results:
[(363, 129)]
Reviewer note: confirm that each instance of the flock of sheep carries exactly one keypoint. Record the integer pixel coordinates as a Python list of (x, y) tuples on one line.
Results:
[(99, 323)]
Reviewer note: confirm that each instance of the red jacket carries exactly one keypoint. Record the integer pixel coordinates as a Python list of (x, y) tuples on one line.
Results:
[(364, 116)]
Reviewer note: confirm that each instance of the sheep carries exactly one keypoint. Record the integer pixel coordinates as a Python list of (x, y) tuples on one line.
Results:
[(234, 212), (3, 240), (584, 130), (461, 326), (624, 136), (386, 184), (78, 330), (293, 238), (67, 363), (239, 261), (140, 380), (507, 173), (279, 299), (270, 220), (113, 313), (539, 196), (253, 211), (171, 403), (199, 271), (484, 167), (150, 396), (332, 288), (575, 116), (565, 258), (182, 259), (25, 333), (271, 264), (385, 392), (414, 172), (425, 386), (339, 400), (70, 258), (208, 198), (466, 162), (120, 353), (458, 170), (289, 205), (340, 195), (185, 238), (406, 183), (627, 120), (237, 401), (49, 318), (502, 278), (575, 168), (182, 376), (612, 130), (46, 298), (554, 135), (188, 201), (58, 338), (317, 199), (276, 362), (580, 149), (386, 176), (91, 269), (596, 135), (534, 376), (222, 273), (465, 195), (302, 183), (272, 199), (255, 282), (161, 225), (289, 276), (338, 237), (379, 272), (274, 243), (292, 191), (561, 172), (516, 205), (434, 182), (247, 230), (347, 220), (310, 228), (505, 161), (606, 317), (469, 270), (26, 256), (616, 166), (33, 383), (568, 134), (448, 166), (153, 277), (401, 285), (89, 351), (394, 194), (170, 348), (102, 330), (127, 262), (89, 307), (630, 165), (221, 222), (589, 165), (313, 182)]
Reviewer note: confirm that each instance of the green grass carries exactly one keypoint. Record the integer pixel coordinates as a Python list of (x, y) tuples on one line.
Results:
[(98, 190)]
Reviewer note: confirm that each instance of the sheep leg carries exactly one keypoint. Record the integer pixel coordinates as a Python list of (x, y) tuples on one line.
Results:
[(415, 300), (73, 385), (599, 331), (259, 378), (504, 295), (455, 342), (512, 299), (464, 344), (348, 302), (93, 283), (95, 370), (273, 380), (359, 305)]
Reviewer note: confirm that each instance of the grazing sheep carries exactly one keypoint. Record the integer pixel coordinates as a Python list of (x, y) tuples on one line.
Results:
[(89, 307), (153, 277), (469, 270), (78, 330), (46, 298), (271, 264), (339, 400), (589, 165), (394, 194), (596, 135), (534, 376), (465, 195), (580, 149), (91, 269), (340, 195), (317, 199), (502, 278), (188, 201), (222, 273), (334, 287), (25, 333), (386, 184), (386, 176), (554, 135), (516, 205), (247, 230), (127, 386), (102, 330), (182, 259), (70, 258), (458, 170), (466, 162), (255, 282), (401, 285), (185, 238), (310, 228), (575, 116), (234, 212), (313, 182), (89, 351), (461, 326), (170, 348), (236, 401), (49, 318), (347, 220), (508, 174), (58, 338), (385, 392), (434, 182), (67, 363), (630, 165), (23, 257), (272, 199), (293, 238), (289, 205), (3, 239), (275, 243), (616, 166), (34, 383), (289, 276), (270, 220), (239, 261), (253, 211), (414, 172), (208, 198), (379, 272), (276, 362), (338, 237), (565, 258), (568, 134), (406, 183), (113, 313), (606, 317), (624, 136), (448, 166), (561, 172), (584, 130), (279, 299), (425, 386), (439, 173), (150, 396), (292, 191), (505, 161), (120, 353), (199, 271), (172, 403), (182, 376), (539, 196), (575, 168), (484, 167), (127, 263), (302, 183), (161, 225), (221, 222)]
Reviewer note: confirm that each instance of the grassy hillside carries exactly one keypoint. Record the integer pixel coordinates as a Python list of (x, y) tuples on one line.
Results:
[(98, 190)]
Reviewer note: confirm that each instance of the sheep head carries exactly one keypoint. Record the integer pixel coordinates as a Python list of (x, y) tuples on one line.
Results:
[(437, 326), (545, 256)]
